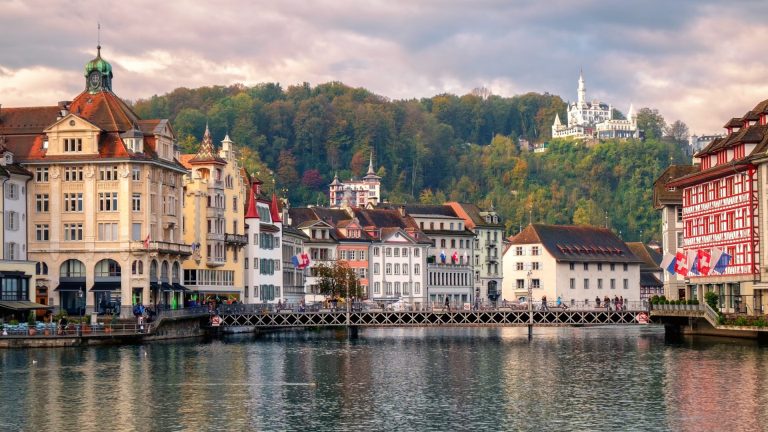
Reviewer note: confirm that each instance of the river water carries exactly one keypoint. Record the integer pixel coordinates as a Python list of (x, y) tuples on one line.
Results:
[(394, 379)]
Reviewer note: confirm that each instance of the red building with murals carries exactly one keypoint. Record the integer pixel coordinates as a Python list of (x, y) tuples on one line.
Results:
[(721, 210)]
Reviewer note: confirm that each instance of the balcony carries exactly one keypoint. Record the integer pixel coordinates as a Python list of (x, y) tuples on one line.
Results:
[(215, 261), (236, 239), (214, 237), (491, 259), (214, 212), (163, 247)]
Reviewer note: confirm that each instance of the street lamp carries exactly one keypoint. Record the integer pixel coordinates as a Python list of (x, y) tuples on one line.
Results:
[(530, 306), (80, 295)]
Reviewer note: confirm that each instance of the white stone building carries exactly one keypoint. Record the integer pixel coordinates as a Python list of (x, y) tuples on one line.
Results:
[(356, 193), (264, 253), (575, 263)]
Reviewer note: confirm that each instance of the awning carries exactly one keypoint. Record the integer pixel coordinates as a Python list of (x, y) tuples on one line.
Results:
[(166, 286), (179, 287), (22, 305), (154, 285), (70, 286), (106, 286)]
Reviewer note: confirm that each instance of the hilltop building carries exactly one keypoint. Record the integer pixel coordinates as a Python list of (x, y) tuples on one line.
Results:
[(105, 219), (587, 120), (699, 142), (356, 193)]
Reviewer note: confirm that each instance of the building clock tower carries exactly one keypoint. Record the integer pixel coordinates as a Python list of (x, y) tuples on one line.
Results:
[(98, 74)]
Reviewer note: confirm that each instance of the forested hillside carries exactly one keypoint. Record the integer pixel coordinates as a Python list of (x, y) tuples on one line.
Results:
[(442, 148)]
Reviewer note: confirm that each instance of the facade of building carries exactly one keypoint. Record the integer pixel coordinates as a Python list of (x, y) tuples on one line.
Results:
[(722, 210), (293, 273), (575, 263), (356, 193), (99, 176), (214, 198), (489, 245), (264, 252), (669, 200), (650, 270), (450, 267), (594, 119), (18, 288)]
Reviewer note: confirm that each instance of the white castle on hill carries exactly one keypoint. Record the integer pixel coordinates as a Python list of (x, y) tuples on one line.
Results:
[(594, 120)]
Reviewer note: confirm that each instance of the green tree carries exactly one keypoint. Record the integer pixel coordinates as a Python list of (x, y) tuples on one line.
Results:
[(650, 121), (338, 280)]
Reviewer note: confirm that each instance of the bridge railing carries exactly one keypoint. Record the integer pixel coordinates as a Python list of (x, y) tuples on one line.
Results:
[(680, 307)]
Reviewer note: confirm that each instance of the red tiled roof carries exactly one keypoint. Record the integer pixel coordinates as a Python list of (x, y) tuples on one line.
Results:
[(26, 120), (184, 160), (105, 110)]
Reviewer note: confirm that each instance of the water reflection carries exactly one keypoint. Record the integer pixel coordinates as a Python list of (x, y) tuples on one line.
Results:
[(425, 379)]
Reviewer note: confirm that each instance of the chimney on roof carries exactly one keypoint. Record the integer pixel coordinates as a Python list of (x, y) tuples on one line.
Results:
[(401, 209)]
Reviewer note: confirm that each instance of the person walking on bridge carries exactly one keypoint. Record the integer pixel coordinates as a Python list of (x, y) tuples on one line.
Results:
[(544, 306)]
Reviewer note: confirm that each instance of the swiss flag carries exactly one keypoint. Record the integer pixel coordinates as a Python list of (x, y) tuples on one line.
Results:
[(304, 261), (681, 265), (705, 261)]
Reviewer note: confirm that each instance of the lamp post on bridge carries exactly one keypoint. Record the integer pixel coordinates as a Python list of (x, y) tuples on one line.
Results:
[(530, 306)]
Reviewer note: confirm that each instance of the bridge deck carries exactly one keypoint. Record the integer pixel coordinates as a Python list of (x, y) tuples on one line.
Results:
[(500, 318)]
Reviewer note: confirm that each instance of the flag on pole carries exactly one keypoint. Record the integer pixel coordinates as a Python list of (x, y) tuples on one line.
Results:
[(304, 261), (705, 261), (722, 263), (693, 262), (455, 257), (442, 256), (681, 263), (668, 263), (146, 241), (295, 261), (716, 254)]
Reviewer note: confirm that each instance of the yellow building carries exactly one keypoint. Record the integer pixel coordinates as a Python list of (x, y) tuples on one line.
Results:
[(214, 224), (104, 199)]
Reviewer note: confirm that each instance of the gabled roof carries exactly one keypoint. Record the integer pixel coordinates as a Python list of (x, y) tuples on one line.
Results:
[(663, 195), (437, 210), (472, 215), (576, 243), (105, 110), (27, 120), (651, 260)]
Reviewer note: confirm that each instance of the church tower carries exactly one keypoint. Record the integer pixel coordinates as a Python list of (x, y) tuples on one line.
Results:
[(98, 74), (582, 90)]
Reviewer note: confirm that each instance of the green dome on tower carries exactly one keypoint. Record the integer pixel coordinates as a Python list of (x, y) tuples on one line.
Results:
[(98, 73)]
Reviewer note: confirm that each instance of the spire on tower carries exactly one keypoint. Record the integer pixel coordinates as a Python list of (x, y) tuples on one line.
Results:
[(370, 165)]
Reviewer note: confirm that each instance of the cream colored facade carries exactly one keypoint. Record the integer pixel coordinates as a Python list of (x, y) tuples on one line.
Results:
[(122, 210), (214, 222)]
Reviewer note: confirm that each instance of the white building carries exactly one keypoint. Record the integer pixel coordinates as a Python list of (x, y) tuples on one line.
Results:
[(356, 193), (293, 275), (593, 120), (264, 253), (698, 142), (575, 263)]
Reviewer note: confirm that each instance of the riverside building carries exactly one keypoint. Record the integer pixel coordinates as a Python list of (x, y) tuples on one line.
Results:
[(264, 251), (104, 200), (214, 225)]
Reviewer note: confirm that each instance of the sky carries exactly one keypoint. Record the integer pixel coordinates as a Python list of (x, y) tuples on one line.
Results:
[(699, 61)]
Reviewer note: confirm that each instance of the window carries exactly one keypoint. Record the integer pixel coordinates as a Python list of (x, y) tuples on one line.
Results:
[(626, 267), (41, 268), (397, 268), (599, 266), (534, 250), (416, 269), (108, 201), (416, 252), (405, 252), (375, 251), (12, 220), (679, 213), (137, 267), (41, 232), (41, 175), (136, 202), (136, 231), (136, 174), (73, 174), (535, 283), (405, 269), (518, 250), (107, 268), (73, 144), (626, 283), (520, 284), (72, 268), (73, 202), (613, 267), (535, 265), (73, 232), (108, 173), (599, 284), (388, 252), (388, 268), (11, 190), (377, 287), (388, 288), (11, 251), (572, 266), (613, 283), (376, 268), (417, 288), (41, 203), (572, 283), (107, 232), (586, 284), (586, 266)]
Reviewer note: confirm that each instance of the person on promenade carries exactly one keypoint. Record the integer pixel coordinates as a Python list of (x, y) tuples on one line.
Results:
[(279, 305), (559, 302), (544, 306), (597, 301), (607, 303), (621, 302), (447, 303)]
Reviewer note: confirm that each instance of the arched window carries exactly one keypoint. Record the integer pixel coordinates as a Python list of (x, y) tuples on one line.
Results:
[(41, 268), (164, 271), (176, 272), (72, 268), (153, 270), (137, 267), (229, 182), (107, 268)]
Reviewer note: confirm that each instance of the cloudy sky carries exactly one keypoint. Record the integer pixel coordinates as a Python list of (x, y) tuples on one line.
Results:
[(701, 61)]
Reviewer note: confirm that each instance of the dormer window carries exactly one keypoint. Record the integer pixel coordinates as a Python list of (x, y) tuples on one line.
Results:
[(73, 145)]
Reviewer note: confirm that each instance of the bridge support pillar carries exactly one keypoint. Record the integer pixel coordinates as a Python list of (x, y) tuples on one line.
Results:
[(352, 332), (673, 332)]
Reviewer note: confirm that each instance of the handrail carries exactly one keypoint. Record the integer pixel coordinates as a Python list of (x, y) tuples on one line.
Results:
[(711, 315)]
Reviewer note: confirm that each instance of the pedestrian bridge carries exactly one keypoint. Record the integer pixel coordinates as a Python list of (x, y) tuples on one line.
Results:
[(251, 317)]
